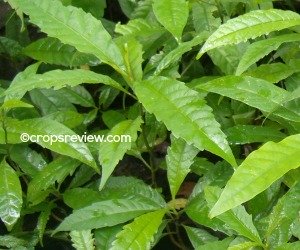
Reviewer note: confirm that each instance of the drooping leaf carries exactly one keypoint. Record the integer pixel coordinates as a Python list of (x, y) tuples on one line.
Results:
[(82, 240), (10, 195), (51, 50), (172, 14), (250, 25), (110, 153), (106, 213), (59, 79), (258, 171), (73, 26), (179, 103), (260, 49), (138, 235), (254, 92), (56, 171), (179, 159)]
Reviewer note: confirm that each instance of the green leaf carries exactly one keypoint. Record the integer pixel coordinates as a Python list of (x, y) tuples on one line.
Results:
[(289, 246), (179, 103), (78, 95), (106, 214), (74, 27), (250, 25), (179, 160), (110, 153), (258, 171), (237, 219), (10, 195), (42, 221), (282, 217), (245, 134), (260, 49), (64, 137), (199, 236), (13, 103), (104, 237), (59, 79), (216, 245), (138, 235), (82, 240), (51, 50), (254, 92), (172, 14), (56, 171), (10, 47)]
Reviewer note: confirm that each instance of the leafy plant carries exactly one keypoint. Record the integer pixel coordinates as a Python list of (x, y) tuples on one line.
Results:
[(207, 92)]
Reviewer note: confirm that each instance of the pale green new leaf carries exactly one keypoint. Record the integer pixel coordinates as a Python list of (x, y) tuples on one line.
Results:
[(179, 103), (172, 14), (260, 49), (138, 235), (110, 153), (73, 26), (51, 50), (179, 159), (250, 25), (106, 214), (258, 171), (237, 219), (59, 79), (10, 195), (254, 92), (56, 171), (82, 240)]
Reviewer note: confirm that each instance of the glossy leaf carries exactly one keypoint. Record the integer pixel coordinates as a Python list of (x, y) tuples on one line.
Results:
[(110, 153), (82, 240), (138, 235), (250, 25), (179, 159), (172, 14), (177, 102), (74, 27), (259, 170), (10, 195)]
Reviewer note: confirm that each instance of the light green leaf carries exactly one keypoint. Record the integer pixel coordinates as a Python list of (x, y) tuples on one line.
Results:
[(59, 79), (138, 235), (106, 214), (179, 103), (104, 237), (10, 195), (13, 103), (74, 27), (254, 92), (289, 246), (237, 219), (78, 95), (42, 221), (179, 159), (250, 25), (51, 50), (54, 172), (216, 245), (258, 171), (172, 14), (260, 49), (82, 240), (110, 153), (199, 236)]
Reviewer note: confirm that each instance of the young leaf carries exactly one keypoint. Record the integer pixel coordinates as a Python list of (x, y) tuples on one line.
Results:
[(260, 49), (258, 171), (138, 235), (51, 50), (56, 171), (82, 240), (237, 219), (110, 153), (74, 27), (172, 14), (10, 195), (254, 92), (59, 79), (179, 103), (106, 214), (179, 159), (250, 25)]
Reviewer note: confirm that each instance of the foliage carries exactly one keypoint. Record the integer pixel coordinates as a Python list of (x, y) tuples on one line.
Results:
[(207, 91)]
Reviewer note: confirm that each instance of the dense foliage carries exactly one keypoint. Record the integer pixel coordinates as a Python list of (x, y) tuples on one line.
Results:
[(208, 91)]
